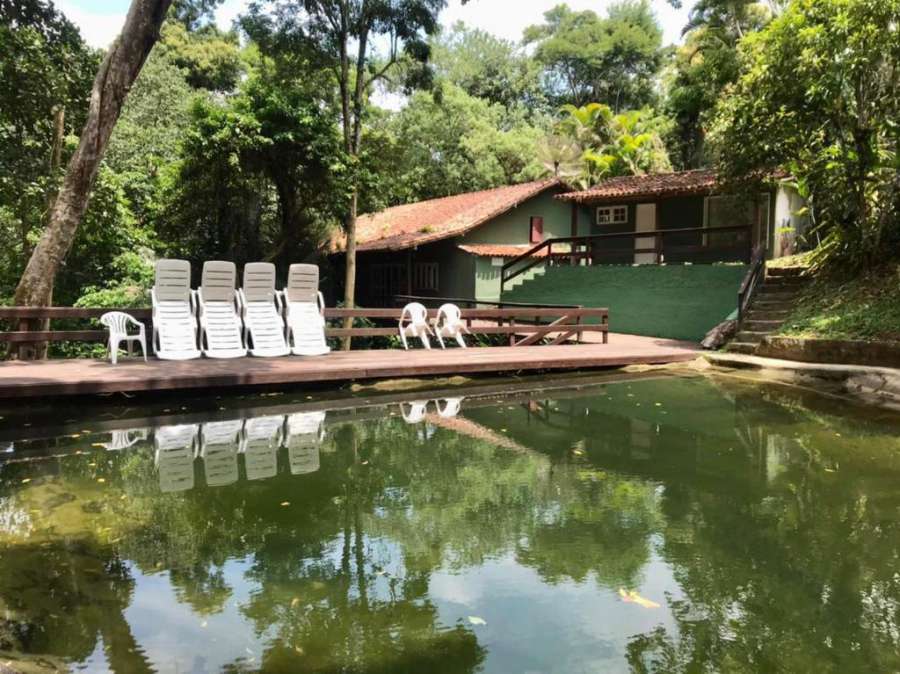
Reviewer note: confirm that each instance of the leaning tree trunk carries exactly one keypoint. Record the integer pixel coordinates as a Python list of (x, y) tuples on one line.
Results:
[(117, 73)]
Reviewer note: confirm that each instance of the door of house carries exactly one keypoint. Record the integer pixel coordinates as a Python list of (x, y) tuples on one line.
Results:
[(645, 221)]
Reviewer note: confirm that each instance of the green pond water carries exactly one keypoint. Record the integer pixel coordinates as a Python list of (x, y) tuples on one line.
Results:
[(652, 524)]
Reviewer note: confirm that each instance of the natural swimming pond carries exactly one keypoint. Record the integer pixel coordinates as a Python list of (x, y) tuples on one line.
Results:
[(651, 524)]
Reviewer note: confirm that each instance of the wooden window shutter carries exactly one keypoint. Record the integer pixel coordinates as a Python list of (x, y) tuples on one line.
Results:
[(537, 229)]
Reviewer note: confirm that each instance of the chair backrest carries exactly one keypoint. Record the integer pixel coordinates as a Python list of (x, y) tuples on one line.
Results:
[(172, 281), (303, 283), (416, 312), (259, 282), (116, 321), (217, 281), (450, 314)]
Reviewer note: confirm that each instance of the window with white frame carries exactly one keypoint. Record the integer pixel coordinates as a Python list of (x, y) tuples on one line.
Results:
[(612, 215)]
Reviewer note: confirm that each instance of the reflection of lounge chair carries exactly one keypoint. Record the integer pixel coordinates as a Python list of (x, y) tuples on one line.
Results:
[(304, 433), (262, 438), (449, 324), (303, 311), (174, 457), (124, 439), (219, 443), (414, 412), (261, 311), (449, 407), (217, 301), (174, 312)]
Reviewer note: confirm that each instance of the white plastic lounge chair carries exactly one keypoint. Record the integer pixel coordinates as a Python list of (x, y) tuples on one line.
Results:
[(174, 457), (303, 307), (264, 332), (304, 433), (449, 407), (414, 323), (174, 312), (219, 444), (120, 440), (117, 323), (414, 412), (262, 438), (449, 324), (217, 302)]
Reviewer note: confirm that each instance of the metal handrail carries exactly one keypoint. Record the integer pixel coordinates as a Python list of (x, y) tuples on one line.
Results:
[(751, 281)]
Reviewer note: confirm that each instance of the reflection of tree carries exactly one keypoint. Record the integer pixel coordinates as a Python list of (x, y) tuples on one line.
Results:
[(60, 599)]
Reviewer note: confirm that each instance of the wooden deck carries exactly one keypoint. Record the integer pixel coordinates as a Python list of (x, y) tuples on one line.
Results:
[(20, 380)]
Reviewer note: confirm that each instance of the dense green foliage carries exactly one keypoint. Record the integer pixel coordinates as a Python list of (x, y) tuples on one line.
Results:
[(232, 144), (819, 97)]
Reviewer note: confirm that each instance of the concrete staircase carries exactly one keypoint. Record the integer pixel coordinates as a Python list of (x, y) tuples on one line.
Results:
[(769, 308)]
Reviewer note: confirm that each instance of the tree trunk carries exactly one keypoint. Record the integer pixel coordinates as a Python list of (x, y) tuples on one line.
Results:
[(350, 278), (117, 73)]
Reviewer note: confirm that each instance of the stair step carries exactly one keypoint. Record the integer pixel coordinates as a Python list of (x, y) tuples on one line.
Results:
[(775, 305), (763, 315), (786, 281), (751, 336), (770, 294), (741, 347), (785, 271), (762, 324)]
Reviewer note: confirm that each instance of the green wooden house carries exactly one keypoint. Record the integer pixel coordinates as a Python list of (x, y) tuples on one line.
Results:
[(458, 246)]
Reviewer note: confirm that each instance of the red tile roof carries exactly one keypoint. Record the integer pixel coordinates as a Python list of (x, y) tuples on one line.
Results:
[(411, 225), (499, 250), (699, 181)]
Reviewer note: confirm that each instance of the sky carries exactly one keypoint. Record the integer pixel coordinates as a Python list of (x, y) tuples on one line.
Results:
[(101, 20)]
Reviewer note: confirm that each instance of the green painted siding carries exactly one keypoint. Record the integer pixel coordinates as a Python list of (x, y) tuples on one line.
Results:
[(677, 302), (513, 227), (487, 279)]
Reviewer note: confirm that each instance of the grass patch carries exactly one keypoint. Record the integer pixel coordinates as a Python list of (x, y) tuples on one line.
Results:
[(863, 308)]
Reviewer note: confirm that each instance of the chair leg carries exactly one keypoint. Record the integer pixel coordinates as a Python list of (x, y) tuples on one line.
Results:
[(440, 339), (403, 339), (113, 350), (460, 340), (425, 342), (144, 347)]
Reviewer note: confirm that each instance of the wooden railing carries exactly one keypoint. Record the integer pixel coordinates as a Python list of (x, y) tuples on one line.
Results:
[(577, 249), (561, 323), (557, 323), (752, 280), (472, 303)]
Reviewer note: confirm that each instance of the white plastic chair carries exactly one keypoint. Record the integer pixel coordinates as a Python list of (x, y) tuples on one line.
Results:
[(219, 444), (259, 445), (449, 324), (264, 332), (303, 311), (414, 323), (414, 412), (117, 323), (174, 312), (449, 407), (304, 432), (174, 456), (218, 305)]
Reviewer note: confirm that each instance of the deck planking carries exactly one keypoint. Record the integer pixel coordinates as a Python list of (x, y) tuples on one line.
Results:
[(20, 379)]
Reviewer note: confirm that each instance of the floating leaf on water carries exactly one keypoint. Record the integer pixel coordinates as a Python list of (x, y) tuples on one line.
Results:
[(101, 480), (97, 444), (503, 430), (85, 430), (829, 470), (285, 504), (658, 404), (298, 650), (295, 602), (26, 480), (475, 620), (204, 623), (632, 597), (75, 435)]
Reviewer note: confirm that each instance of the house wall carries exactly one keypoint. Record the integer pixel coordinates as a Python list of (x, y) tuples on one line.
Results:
[(513, 227), (671, 301), (788, 226)]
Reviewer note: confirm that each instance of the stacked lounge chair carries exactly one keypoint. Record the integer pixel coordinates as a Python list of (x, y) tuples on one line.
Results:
[(174, 312), (217, 303), (264, 332), (303, 311)]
